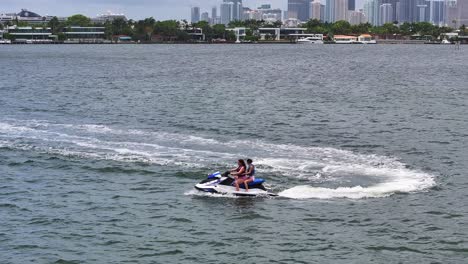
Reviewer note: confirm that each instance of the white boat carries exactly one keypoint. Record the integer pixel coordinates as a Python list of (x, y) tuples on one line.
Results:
[(445, 41), (5, 41), (313, 39)]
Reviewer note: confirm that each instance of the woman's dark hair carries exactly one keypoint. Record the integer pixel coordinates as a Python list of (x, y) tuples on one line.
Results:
[(249, 161), (242, 162)]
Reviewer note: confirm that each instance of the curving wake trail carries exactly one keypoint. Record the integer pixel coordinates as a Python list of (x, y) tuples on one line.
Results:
[(314, 172)]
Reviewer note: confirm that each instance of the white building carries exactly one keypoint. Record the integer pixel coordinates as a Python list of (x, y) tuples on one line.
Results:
[(108, 16)]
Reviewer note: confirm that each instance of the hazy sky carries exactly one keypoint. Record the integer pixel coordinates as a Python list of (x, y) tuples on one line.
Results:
[(135, 9)]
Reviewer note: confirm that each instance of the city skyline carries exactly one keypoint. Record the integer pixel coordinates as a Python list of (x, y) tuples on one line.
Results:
[(134, 9)]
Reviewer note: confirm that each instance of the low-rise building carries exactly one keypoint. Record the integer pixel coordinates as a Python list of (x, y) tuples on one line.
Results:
[(31, 34), (85, 34)]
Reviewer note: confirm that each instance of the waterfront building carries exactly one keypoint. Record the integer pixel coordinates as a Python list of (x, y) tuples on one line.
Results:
[(108, 17), (316, 10), (341, 10), (240, 32), (357, 17), (386, 13), (84, 34), (195, 14), (196, 34), (299, 9), (31, 35), (205, 17)]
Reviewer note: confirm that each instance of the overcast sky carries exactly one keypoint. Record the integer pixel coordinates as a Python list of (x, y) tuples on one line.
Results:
[(135, 9)]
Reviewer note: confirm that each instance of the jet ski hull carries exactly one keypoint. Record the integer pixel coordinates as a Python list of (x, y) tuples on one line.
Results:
[(224, 185)]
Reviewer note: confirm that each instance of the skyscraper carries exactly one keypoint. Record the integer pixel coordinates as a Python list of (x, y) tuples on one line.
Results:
[(372, 11), (195, 14), (341, 10), (238, 11), (408, 11), (386, 13), (205, 17), (463, 12), (226, 12), (214, 13), (316, 10), (422, 10), (451, 13), (298, 9), (356, 17), (352, 5), (330, 11), (437, 11)]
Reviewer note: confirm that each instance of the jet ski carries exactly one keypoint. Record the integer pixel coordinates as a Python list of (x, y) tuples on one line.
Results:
[(224, 184)]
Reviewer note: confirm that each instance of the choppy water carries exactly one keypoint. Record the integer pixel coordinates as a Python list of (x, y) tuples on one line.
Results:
[(100, 147)]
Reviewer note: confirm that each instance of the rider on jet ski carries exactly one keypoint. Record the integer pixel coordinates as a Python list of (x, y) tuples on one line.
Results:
[(243, 176)]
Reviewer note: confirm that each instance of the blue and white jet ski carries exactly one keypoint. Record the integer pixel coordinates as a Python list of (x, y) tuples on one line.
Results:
[(224, 184)]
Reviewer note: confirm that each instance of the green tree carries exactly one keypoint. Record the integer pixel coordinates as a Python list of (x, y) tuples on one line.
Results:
[(219, 31), (341, 27), (55, 25), (78, 20), (236, 23), (168, 29)]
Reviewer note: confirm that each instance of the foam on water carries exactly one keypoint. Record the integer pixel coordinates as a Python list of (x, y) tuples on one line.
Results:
[(339, 173)]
